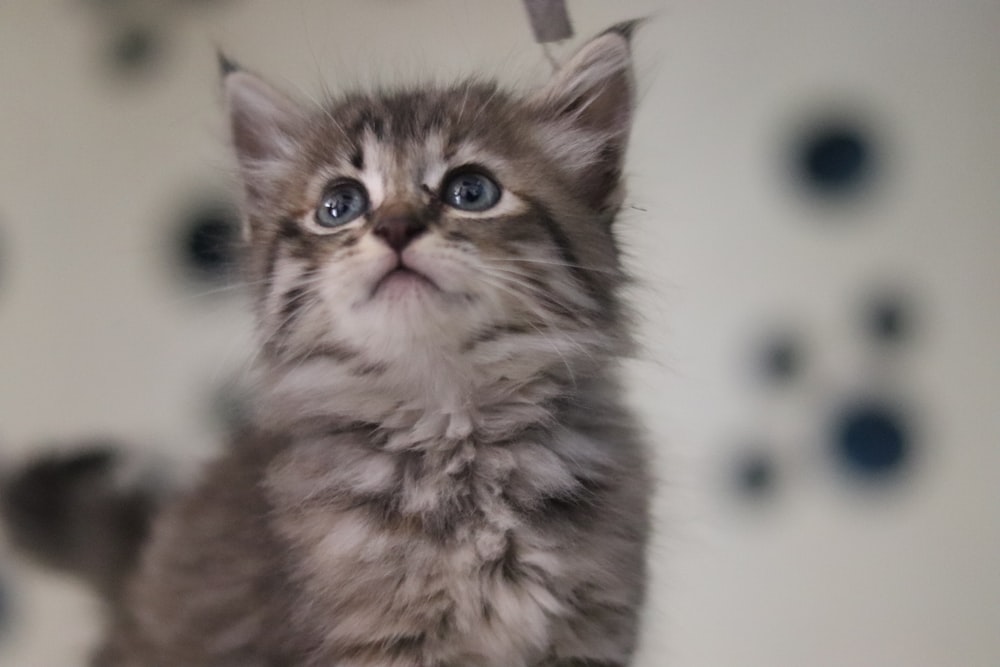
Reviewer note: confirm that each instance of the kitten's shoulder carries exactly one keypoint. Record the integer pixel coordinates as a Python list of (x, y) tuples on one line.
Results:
[(209, 575)]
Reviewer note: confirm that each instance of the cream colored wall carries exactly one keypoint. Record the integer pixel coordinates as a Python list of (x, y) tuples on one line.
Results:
[(98, 334)]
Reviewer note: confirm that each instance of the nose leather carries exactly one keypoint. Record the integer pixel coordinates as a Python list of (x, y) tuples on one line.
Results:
[(399, 230)]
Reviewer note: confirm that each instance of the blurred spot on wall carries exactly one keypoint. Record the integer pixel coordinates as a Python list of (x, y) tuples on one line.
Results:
[(134, 35), (872, 440), (208, 241), (135, 49), (888, 317), (836, 158), (755, 474), (130, 34), (781, 358)]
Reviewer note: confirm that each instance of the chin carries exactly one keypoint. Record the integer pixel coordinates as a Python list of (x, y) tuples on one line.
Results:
[(403, 315)]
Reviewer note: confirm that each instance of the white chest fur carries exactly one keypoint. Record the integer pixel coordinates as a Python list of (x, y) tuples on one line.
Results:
[(431, 548)]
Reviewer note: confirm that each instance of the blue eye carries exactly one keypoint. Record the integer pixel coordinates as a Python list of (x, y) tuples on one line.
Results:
[(470, 191), (342, 203)]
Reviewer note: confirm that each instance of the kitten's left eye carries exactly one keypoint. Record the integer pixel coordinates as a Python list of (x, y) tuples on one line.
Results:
[(470, 190), (342, 203)]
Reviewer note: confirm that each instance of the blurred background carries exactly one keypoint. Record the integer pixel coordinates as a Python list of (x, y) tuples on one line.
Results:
[(812, 219)]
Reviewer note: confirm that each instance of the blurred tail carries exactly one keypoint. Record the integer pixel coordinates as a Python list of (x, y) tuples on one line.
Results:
[(78, 513)]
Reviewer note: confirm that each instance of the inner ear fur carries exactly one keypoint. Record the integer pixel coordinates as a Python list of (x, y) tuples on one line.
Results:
[(590, 101)]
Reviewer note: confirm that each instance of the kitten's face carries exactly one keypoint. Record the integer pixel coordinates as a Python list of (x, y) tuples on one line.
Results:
[(459, 221)]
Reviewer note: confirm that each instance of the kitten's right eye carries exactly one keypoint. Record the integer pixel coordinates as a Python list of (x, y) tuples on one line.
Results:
[(341, 203)]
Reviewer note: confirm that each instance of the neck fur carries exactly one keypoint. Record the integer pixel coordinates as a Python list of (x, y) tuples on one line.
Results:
[(432, 396)]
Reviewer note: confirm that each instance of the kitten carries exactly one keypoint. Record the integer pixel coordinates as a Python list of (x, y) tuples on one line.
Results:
[(440, 470)]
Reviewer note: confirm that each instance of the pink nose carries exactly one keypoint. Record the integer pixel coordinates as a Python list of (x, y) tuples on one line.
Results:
[(398, 231)]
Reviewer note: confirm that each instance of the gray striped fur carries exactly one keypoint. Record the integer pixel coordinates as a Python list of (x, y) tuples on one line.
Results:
[(443, 475)]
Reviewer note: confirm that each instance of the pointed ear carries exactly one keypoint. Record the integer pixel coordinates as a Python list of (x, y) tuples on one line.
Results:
[(589, 106), (264, 125)]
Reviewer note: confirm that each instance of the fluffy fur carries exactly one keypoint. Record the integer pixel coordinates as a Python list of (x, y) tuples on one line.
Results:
[(440, 472)]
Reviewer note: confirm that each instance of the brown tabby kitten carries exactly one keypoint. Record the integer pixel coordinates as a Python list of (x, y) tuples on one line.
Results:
[(441, 472)]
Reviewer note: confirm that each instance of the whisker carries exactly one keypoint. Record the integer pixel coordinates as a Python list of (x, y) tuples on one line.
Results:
[(548, 338), (579, 297), (201, 294), (547, 319), (545, 262), (240, 285), (278, 328)]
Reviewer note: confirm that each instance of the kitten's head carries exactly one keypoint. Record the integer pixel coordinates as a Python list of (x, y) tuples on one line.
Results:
[(438, 234)]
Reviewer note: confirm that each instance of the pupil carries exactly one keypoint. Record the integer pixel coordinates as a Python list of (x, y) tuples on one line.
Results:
[(471, 191), (341, 204)]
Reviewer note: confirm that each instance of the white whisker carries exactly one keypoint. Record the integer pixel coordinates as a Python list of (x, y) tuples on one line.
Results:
[(568, 265)]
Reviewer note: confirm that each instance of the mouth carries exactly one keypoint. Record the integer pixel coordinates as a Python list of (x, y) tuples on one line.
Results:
[(400, 280)]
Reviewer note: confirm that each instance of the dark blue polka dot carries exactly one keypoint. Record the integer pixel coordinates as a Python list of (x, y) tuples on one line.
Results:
[(872, 440), (836, 158)]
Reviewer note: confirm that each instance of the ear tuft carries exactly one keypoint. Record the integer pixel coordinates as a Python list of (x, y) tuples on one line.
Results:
[(264, 121), (588, 106), (599, 73), (627, 28), (265, 126)]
